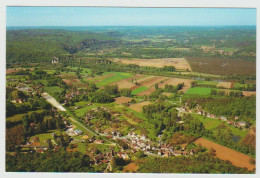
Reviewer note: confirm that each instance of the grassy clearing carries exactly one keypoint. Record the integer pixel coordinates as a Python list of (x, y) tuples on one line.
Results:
[(118, 76), (52, 90), (46, 136), (199, 91), (211, 124), (139, 90)]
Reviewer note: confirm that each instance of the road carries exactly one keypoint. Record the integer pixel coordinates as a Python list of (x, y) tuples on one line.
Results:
[(57, 105), (53, 101)]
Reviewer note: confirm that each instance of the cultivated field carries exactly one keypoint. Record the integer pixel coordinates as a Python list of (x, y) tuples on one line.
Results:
[(122, 99), (224, 84), (249, 93), (176, 81), (224, 153), (178, 63), (138, 106), (123, 84)]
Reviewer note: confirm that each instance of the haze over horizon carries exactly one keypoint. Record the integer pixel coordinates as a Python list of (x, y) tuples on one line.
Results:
[(119, 16)]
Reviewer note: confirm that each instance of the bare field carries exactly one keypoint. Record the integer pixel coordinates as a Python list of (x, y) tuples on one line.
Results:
[(176, 81), (138, 106), (249, 93), (224, 153), (153, 81), (225, 84), (122, 99), (123, 84), (145, 79), (178, 63)]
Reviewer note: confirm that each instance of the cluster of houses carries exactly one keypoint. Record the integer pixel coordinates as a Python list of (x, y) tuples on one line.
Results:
[(236, 123), (142, 143)]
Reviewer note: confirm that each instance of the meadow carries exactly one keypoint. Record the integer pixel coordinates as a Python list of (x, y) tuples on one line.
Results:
[(199, 91)]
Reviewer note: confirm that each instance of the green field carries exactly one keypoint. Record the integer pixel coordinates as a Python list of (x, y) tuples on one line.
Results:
[(207, 83), (118, 76), (46, 136), (199, 91), (238, 85), (52, 90), (139, 90), (211, 124)]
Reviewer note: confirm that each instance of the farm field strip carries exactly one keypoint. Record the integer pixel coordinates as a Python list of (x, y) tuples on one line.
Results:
[(157, 81), (139, 90), (124, 84), (117, 77), (236, 158), (147, 78)]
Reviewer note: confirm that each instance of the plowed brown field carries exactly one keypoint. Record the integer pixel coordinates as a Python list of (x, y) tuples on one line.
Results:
[(224, 153)]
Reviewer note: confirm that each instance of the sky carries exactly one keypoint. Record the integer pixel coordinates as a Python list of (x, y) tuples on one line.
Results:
[(111, 16)]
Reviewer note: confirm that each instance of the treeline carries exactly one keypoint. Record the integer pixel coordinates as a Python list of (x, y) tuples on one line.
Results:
[(203, 163), (50, 161), (243, 107), (37, 123)]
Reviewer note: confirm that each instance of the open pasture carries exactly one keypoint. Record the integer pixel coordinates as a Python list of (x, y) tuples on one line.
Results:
[(178, 63), (139, 106), (221, 66), (224, 153)]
